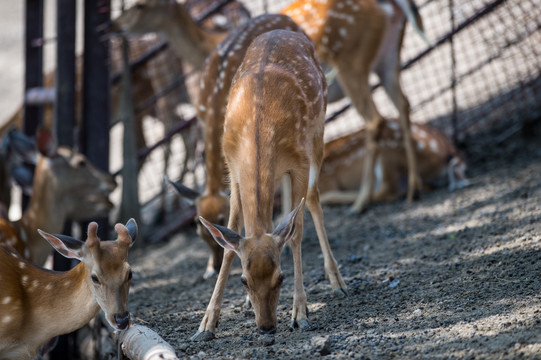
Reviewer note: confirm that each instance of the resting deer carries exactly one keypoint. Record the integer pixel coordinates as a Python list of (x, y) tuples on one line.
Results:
[(273, 127), (356, 37), (220, 67), (37, 304), (342, 168), (65, 186)]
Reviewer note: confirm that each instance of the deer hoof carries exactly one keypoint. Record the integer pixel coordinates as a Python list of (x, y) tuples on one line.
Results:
[(340, 293), (206, 335), (209, 273), (302, 324)]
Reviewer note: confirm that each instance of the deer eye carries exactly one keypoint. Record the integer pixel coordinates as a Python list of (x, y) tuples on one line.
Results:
[(95, 280), (130, 275), (244, 282), (139, 6)]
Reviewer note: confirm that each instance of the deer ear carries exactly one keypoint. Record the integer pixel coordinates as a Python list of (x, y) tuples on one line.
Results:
[(286, 229), (66, 245), (183, 190), (131, 225), (228, 239)]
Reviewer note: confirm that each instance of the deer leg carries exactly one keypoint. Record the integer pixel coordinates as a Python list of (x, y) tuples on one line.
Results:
[(210, 320), (388, 70), (331, 266), (299, 316), (355, 82)]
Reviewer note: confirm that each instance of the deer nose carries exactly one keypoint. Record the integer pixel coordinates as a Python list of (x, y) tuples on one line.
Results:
[(264, 330), (122, 320)]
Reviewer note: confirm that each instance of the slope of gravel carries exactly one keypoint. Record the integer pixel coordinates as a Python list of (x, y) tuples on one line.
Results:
[(455, 275)]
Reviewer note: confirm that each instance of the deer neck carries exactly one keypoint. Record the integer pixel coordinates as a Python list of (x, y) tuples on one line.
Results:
[(47, 292), (188, 40), (44, 212)]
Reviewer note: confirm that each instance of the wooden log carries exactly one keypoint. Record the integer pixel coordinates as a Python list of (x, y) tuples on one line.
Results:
[(142, 343)]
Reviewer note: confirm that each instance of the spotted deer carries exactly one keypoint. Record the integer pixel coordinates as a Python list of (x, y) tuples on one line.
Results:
[(274, 125), (342, 168), (65, 186), (37, 304), (218, 72), (357, 37)]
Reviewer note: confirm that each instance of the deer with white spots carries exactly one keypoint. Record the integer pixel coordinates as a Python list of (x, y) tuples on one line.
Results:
[(219, 69), (341, 173), (357, 37), (38, 304), (65, 186), (273, 127)]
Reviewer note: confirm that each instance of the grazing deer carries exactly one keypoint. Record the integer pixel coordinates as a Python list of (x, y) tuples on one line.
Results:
[(342, 168), (37, 304), (356, 37), (273, 127), (220, 67), (65, 186)]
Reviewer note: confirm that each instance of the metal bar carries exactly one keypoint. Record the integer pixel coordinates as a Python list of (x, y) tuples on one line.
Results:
[(64, 130), (454, 112), (64, 110), (96, 89), (33, 115)]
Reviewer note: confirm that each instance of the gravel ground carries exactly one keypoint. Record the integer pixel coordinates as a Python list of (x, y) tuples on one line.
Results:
[(455, 275)]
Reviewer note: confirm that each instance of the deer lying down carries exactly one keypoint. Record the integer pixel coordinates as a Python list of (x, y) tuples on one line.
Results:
[(342, 169), (38, 304)]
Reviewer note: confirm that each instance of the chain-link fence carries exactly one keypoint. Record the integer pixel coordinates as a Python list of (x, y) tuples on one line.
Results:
[(481, 74)]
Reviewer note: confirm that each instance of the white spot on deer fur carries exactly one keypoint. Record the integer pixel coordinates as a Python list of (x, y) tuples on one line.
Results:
[(6, 319), (387, 8), (325, 40), (422, 134), (202, 108), (420, 145), (6, 300), (343, 32), (25, 280), (22, 265), (49, 287)]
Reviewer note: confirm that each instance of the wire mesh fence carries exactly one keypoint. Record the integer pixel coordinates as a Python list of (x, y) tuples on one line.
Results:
[(481, 74)]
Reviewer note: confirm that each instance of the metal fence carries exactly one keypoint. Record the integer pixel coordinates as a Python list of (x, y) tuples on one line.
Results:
[(481, 75)]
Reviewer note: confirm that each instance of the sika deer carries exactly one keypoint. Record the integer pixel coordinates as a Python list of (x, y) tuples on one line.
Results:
[(216, 79), (273, 126), (65, 186), (356, 37), (341, 172), (37, 304)]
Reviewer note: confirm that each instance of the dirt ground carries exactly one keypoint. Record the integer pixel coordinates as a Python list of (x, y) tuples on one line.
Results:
[(455, 275)]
